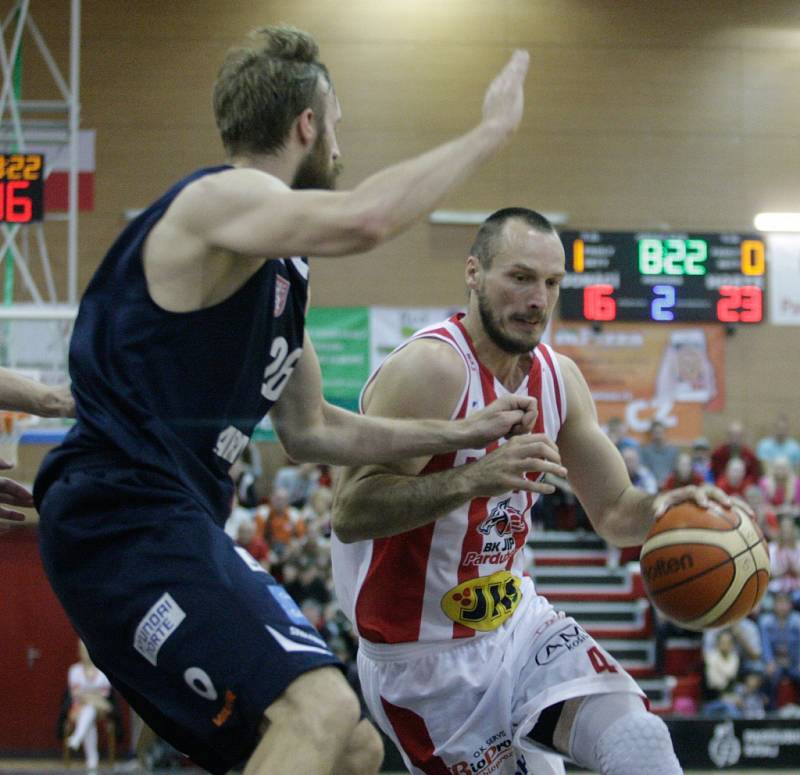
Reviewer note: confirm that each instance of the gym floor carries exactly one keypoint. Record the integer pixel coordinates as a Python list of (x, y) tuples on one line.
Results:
[(55, 767)]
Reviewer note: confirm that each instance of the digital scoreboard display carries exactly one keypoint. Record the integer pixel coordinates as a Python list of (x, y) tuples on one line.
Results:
[(21, 187), (663, 278)]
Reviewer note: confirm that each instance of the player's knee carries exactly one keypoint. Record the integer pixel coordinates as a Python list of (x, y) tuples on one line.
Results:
[(320, 706), (615, 735), (364, 754)]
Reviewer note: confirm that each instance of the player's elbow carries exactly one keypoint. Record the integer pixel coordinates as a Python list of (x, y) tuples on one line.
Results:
[(367, 224), (344, 518)]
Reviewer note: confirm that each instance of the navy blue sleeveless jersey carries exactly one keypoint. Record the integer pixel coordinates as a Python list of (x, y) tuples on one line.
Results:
[(177, 393)]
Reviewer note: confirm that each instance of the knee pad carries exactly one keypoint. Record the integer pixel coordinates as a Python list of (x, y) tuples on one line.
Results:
[(615, 735)]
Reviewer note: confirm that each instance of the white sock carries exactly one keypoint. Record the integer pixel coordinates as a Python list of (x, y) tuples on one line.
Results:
[(90, 747), (85, 720)]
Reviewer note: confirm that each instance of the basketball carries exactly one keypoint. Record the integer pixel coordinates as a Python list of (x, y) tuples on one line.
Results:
[(704, 567)]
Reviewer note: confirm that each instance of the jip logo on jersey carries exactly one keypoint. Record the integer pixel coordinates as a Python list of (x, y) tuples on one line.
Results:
[(483, 603)]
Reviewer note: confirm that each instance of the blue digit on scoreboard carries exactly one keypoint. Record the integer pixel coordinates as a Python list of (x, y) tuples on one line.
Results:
[(661, 306)]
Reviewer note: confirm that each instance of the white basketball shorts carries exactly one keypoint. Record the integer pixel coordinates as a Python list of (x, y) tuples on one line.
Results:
[(464, 707)]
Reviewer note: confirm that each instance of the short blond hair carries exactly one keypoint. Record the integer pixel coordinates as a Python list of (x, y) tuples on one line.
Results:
[(260, 90)]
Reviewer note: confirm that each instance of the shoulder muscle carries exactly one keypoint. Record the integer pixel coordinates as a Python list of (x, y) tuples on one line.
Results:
[(425, 380)]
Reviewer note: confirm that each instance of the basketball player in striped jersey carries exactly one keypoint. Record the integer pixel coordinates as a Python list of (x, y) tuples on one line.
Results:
[(462, 664)]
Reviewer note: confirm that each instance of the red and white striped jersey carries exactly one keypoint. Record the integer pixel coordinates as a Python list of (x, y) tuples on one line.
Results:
[(458, 576)]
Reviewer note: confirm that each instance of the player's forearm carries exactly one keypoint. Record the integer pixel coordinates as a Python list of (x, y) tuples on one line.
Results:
[(20, 394), (385, 504), (626, 521), (348, 439), (400, 194)]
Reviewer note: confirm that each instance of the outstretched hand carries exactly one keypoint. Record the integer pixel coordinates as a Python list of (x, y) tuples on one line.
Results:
[(505, 99), (509, 415), (13, 494)]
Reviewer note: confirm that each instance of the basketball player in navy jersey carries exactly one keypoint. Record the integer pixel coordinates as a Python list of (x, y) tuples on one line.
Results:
[(189, 332), (451, 676)]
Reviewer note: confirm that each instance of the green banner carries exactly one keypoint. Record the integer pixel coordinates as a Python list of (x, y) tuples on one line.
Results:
[(341, 338)]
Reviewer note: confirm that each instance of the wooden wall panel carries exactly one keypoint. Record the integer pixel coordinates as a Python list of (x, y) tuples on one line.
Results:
[(638, 115)]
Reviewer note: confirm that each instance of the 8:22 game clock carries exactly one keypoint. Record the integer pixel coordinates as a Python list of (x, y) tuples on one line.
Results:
[(663, 277)]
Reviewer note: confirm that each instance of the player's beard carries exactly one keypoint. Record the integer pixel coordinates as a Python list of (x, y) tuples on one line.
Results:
[(491, 324), (317, 170)]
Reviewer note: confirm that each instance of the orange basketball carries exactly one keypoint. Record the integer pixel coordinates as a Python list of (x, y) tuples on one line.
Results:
[(705, 567)]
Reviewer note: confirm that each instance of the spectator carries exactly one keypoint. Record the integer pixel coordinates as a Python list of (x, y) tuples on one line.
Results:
[(299, 481), (780, 444), (751, 697), (244, 480), (735, 480), (317, 513), (658, 454), (701, 459), (279, 524), (780, 635), (746, 640), (735, 448), (615, 430), (641, 475), (766, 516), (252, 543), (90, 691), (721, 667), (781, 487), (784, 558), (238, 515), (683, 474)]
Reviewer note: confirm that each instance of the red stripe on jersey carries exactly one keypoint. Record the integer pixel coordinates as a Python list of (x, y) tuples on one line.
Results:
[(546, 355), (389, 604), (415, 739), (398, 568)]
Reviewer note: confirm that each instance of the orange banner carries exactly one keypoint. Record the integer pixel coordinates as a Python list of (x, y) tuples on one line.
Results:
[(642, 372)]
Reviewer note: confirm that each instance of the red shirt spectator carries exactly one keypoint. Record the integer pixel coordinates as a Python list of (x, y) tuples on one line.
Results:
[(735, 448), (735, 480), (683, 474)]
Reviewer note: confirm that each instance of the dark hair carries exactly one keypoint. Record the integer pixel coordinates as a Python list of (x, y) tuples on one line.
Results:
[(485, 245), (260, 91)]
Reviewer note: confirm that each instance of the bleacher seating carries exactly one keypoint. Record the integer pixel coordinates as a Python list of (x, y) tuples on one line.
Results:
[(569, 568)]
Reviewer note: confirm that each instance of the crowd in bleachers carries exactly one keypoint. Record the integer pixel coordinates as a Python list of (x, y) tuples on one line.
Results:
[(752, 667), (748, 669)]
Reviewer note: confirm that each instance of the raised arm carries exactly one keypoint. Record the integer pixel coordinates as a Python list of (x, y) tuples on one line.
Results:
[(426, 379), (250, 213), (619, 512)]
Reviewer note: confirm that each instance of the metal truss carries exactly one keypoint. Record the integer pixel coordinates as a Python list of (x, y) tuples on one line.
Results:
[(28, 123)]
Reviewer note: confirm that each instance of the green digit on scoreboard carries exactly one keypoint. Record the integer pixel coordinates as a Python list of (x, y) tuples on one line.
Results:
[(651, 256), (696, 255), (672, 256)]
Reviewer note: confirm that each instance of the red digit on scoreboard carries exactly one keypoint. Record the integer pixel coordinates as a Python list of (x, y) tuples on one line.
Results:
[(15, 207), (598, 303), (740, 304)]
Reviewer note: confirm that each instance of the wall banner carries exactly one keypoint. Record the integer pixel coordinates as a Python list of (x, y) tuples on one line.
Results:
[(784, 279), (391, 326), (642, 372)]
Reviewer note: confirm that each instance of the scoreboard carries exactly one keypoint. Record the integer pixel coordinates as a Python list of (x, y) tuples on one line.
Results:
[(663, 277), (21, 187)]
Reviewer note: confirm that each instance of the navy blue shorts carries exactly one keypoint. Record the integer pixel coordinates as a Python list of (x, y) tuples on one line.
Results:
[(191, 630)]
